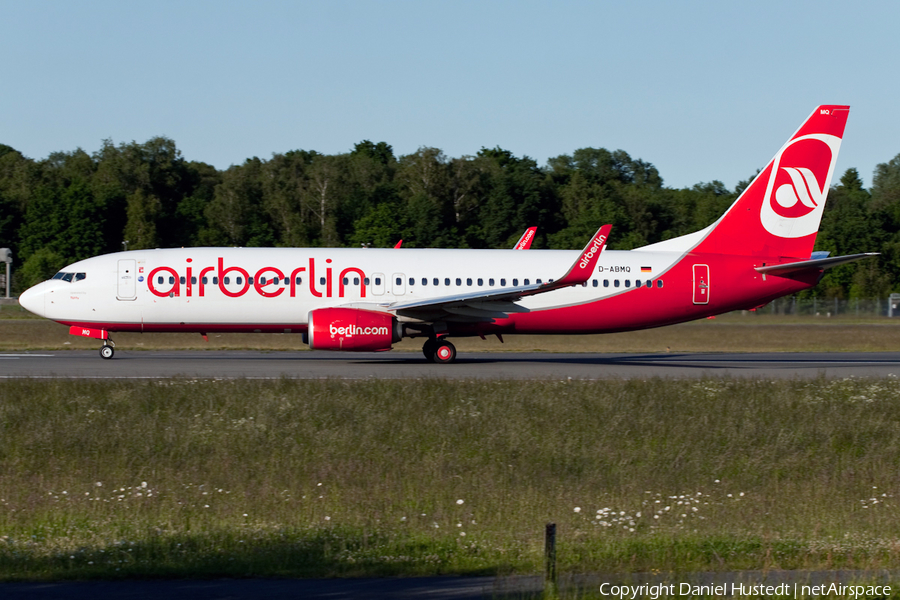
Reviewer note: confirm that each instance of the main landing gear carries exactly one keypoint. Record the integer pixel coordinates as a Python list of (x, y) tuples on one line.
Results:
[(108, 349), (439, 351)]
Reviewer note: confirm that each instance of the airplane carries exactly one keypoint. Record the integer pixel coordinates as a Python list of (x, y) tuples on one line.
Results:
[(366, 300)]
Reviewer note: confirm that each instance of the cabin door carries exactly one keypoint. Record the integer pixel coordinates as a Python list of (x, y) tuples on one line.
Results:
[(701, 284), (127, 279)]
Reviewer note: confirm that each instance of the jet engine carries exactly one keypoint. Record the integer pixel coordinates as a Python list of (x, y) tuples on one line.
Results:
[(352, 329)]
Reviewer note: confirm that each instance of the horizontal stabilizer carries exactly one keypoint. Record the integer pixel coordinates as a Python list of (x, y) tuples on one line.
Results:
[(814, 264)]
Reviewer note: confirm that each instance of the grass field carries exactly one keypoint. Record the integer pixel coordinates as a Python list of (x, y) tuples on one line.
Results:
[(728, 333), (329, 478)]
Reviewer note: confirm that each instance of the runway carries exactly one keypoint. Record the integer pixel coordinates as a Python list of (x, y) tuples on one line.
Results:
[(485, 365)]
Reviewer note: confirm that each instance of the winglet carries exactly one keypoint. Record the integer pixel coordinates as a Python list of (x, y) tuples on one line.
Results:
[(397, 245), (524, 242), (583, 268)]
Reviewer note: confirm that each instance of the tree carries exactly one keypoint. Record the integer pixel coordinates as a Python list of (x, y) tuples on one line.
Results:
[(143, 211)]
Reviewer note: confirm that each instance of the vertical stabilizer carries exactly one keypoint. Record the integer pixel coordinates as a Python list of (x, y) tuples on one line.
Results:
[(780, 211)]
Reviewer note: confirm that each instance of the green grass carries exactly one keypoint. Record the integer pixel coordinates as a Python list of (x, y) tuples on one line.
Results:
[(332, 478)]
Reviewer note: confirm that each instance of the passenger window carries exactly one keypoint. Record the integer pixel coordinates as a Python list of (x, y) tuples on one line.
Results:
[(249, 280), (446, 281), (79, 276), (515, 283), (649, 283), (436, 281), (378, 281), (275, 281), (399, 281), (616, 283), (321, 281), (204, 280), (595, 283), (226, 280), (606, 283), (171, 280), (356, 281), (215, 281), (525, 282), (491, 282), (345, 280), (480, 282), (659, 283), (628, 283), (424, 281), (240, 280), (193, 281), (458, 281), (584, 284), (637, 283), (366, 281), (181, 280), (468, 281), (502, 282), (537, 281), (160, 280)]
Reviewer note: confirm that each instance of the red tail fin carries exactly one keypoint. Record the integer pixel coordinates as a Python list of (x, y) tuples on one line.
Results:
[(779, 212)]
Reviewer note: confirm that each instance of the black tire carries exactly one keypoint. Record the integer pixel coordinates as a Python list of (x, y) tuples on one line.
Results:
[(444, 353), (107, 352), (428, 349)]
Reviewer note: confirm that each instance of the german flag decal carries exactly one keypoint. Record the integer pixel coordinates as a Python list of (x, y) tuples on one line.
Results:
[(646, 269)]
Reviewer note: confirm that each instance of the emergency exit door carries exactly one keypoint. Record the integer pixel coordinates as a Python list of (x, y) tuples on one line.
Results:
[(701, 284)]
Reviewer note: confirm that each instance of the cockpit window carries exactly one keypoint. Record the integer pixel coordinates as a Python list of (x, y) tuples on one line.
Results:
[(70, 277)]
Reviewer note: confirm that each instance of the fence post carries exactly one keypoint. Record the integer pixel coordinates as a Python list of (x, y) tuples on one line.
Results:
[(550, 561)]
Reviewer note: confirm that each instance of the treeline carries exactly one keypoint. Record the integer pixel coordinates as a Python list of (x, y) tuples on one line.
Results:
[(73, 205)]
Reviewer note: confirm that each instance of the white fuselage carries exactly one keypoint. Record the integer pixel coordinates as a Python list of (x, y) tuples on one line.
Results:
[(186, 288)]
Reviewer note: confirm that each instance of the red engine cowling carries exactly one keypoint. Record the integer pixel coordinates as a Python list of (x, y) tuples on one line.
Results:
[(352, 329)]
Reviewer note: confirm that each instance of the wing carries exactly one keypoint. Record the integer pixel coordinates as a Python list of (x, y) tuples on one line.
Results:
[(500, 303)]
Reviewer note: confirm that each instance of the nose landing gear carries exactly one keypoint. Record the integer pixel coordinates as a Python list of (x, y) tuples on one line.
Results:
[(108, 349)]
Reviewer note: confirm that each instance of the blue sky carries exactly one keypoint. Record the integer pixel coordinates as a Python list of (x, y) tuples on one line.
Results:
[(703, 90)]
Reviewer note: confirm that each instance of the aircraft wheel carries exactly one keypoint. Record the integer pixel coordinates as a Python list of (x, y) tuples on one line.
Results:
[(428, 349), (445, 353), (106, 351)]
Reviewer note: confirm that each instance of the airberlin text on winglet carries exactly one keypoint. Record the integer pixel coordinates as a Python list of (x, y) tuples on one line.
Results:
[(597, 245), (261, 275)]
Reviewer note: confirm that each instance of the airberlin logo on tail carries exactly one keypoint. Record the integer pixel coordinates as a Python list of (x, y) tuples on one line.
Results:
[(798, 185), (803, 190), (595, 247)]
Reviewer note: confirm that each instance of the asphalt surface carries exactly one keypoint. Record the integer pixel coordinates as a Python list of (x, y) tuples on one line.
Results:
[(513, 365)]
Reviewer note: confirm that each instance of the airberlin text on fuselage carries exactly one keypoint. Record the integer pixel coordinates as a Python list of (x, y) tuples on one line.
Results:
[(266, 290)]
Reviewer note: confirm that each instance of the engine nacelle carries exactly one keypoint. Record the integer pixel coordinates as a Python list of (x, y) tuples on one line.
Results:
[(352, 329)]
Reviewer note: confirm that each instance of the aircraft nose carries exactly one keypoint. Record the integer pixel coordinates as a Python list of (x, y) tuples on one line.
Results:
[(32, 300)]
